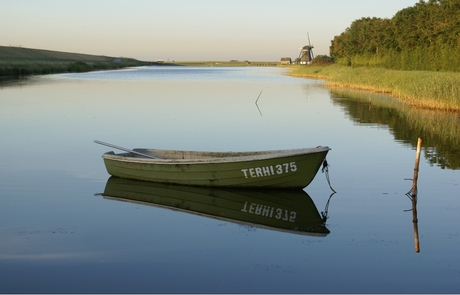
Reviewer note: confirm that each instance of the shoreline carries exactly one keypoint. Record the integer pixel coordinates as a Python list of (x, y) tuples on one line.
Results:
[(421, 89)]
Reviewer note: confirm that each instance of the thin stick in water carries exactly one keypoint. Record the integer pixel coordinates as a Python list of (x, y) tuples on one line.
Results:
[(258, 100)]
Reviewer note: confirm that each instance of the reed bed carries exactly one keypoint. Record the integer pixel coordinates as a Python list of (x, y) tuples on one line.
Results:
[(425, 89)]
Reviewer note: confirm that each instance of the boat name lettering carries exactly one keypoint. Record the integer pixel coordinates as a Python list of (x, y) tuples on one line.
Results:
[(269, 170), (269, 211)]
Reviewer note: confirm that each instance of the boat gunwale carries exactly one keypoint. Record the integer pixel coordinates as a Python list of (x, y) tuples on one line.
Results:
[(256, 156)]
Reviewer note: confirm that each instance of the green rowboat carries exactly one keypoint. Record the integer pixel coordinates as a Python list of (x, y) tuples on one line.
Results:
[(280, 169), (291, 211)]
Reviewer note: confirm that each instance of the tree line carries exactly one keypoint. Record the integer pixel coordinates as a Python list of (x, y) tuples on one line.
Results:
[(425, 36)]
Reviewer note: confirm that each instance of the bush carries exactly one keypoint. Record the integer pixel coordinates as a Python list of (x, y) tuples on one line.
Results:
[(323, 59)]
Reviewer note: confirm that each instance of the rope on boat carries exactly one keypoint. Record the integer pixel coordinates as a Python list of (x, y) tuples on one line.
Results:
[(325, 170)]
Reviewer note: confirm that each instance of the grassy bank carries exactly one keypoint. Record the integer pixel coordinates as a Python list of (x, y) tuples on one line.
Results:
[(19, 61), (433, 90)]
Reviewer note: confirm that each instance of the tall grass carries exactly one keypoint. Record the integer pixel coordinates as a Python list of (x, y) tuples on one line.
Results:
[(426, 89)]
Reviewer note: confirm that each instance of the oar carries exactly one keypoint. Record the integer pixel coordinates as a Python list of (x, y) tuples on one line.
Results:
[(124, 149)]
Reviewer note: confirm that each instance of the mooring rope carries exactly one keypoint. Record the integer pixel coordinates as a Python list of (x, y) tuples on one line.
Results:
[(325, 170), (324, 214)]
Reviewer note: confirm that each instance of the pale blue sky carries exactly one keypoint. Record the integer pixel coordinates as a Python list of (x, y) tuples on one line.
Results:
[(185, 30)]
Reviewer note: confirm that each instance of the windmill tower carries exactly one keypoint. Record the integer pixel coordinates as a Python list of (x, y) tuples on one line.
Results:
[(306, 53)]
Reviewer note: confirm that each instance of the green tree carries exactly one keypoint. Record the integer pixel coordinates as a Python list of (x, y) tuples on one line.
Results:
[(425, 36)]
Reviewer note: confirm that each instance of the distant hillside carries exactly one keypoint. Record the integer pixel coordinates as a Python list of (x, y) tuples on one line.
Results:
[(8, 52), (20, 61)]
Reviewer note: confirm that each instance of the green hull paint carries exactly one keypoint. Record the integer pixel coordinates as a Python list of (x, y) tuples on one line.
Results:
[(271, 169), (290, 211)]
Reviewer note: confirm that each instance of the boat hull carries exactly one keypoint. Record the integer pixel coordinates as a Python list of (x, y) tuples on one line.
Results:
[(288, 169)]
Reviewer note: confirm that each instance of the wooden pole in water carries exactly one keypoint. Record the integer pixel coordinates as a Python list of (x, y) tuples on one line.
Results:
[(416, 168), (414, 195)]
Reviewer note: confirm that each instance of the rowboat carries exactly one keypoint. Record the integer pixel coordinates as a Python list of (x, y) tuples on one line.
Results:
[(289, 211), (278, 169)]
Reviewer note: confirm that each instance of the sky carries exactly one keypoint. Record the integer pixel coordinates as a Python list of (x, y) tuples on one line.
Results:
[(185, 30)]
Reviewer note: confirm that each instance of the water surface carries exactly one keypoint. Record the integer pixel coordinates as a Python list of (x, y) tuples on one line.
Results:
[(59, 234)]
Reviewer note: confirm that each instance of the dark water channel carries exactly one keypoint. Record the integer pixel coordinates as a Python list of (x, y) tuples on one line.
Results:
[(65, 227)]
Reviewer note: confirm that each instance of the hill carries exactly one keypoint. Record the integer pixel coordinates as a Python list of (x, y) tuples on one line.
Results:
[(21, 53), (20, 61)]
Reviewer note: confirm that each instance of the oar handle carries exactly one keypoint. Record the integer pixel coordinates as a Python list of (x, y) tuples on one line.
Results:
[(124, 149)]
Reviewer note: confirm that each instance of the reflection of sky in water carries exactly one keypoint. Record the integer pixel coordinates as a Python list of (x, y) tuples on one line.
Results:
[(180, 73), (56, 235)]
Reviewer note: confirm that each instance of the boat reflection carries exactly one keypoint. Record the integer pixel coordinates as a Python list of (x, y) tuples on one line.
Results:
[(291, 211)]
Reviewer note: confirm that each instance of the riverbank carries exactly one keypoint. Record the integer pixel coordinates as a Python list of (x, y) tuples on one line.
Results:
[(424, 89), (431, 90), (19, 61), (235, 63)]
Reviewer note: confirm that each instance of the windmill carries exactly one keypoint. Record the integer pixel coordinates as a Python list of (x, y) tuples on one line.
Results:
[(306, 53)]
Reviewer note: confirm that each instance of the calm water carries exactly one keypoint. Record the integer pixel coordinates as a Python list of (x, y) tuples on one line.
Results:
[(59, 234)]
